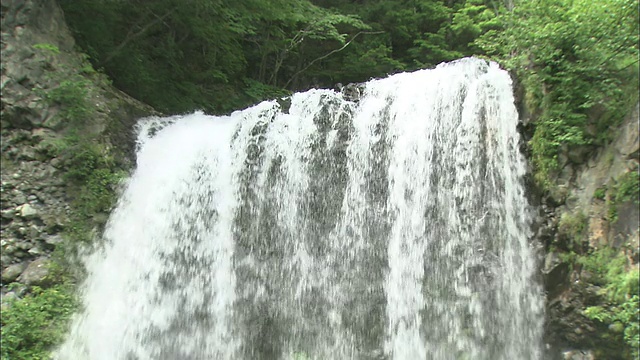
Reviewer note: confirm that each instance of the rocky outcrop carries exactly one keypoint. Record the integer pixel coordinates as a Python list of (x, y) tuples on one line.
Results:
[(586, 218), (43, 79)]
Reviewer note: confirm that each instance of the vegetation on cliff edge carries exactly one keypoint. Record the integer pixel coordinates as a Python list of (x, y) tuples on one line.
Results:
[(577, 61)]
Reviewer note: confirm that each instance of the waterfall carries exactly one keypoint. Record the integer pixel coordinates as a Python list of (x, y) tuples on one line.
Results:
[(390, 224)]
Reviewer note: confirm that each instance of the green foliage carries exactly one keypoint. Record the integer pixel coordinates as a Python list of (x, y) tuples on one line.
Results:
[(608, 268), (72, 96), (83, 158), (71, 92), (626, 188), (574, 59), (257, 91), (571, 229), (626, 315), (98, 193), (95, 176), (214, 55), (52, 147), (50, 48), (32, 325), (600, 193), (300, 355), (180, 57)]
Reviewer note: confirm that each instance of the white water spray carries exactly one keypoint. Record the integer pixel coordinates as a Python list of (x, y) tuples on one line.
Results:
[(391, 227)]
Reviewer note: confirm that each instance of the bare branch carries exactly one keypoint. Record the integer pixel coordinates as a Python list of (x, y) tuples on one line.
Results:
[(329, 54), (131, 36)]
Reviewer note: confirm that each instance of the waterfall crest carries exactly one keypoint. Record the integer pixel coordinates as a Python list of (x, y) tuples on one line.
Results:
[(391, 226)]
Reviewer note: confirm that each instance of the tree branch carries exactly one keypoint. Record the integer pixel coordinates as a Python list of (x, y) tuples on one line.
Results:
[(329, 54), (131, 36)]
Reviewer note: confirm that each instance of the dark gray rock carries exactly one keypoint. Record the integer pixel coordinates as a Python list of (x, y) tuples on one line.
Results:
[(352, 92), (18, 197), (579, 154)]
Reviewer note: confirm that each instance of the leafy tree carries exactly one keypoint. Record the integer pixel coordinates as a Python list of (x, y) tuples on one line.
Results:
[(574, 58), (214, 55)]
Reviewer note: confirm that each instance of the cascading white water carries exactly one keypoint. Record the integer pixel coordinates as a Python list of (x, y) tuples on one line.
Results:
[(391, 227)]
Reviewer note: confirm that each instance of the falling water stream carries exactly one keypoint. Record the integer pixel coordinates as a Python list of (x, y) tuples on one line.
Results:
[(388, 225)]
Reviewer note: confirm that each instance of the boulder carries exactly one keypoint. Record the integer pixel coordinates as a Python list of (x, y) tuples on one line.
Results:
[(28, 212), (54, 239), (36, 273), (7, 300), (11, 273), (578, 355), (7, 214)]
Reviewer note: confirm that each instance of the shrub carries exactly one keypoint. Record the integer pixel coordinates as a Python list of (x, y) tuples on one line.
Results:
[(72, 96), (32, 325), (620, 291), (600, 193), (571, 229)]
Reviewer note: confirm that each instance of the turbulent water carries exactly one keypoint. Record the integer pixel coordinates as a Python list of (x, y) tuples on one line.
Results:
[(390, 224)]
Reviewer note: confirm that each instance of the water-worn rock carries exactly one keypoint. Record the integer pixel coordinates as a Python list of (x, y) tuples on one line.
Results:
[(578, 355), (18, 197), (37, 55), (7, 300), (11, 273), (24, 245), (27, 154), (555, 274), (10, 249), (36, 251), (27, 211), (7, 214), (53, 240), (36, 273)]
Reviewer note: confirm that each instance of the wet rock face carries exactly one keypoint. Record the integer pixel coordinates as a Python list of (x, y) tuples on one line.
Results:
[(570, 287), (37, 55), (34, 205), (25, 26), (34, 209), (351, 92)]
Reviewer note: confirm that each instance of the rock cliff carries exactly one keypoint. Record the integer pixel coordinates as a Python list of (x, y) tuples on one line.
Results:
[(54, 106), (590, 229)]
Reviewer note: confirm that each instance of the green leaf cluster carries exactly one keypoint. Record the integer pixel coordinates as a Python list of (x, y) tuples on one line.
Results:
[(72, 95), (572, 229), (625, 316), (577, 60), (34, 324), (608, 268), (625, 188)]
